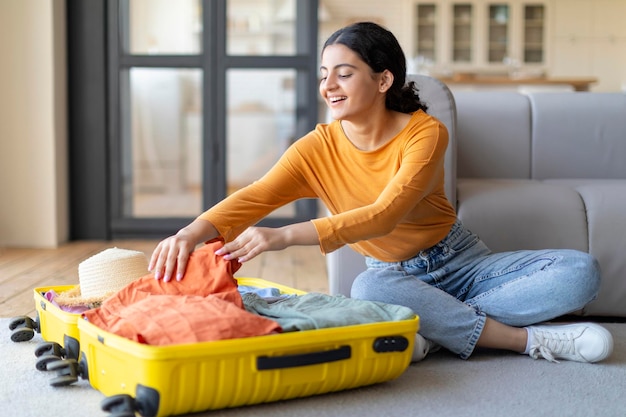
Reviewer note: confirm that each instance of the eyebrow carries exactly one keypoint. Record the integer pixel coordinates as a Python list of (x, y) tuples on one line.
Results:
[(339, 66)]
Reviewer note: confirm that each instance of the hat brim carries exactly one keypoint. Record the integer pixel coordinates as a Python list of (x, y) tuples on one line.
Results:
[(73, 298)]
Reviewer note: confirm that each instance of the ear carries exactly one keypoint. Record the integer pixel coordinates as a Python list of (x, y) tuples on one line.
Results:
[(386, 81)]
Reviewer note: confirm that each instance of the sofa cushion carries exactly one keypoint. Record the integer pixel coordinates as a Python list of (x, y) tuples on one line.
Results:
[(586, 138), (493, 136), (511, 214)]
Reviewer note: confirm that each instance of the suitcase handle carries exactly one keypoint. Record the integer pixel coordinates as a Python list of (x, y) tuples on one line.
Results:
[(291, 361)]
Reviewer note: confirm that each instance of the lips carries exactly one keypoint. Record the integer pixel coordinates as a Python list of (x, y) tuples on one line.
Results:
[(337, 99)]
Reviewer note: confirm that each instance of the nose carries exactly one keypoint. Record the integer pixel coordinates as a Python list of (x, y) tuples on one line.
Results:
[(331, 81), (329, 84)]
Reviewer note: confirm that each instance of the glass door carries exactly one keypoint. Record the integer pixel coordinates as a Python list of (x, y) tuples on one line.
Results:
[(260, 102), (205, 97)]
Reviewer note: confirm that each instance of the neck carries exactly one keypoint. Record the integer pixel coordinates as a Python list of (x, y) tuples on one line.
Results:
[(374, 131)]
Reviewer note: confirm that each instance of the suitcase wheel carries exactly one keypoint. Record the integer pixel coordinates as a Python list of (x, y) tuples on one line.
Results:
[(123, 414), (43, 361), (62, 381), (68, 371), (22, 334), (48, 352), (121, 405), (49, 349), (23, 328)]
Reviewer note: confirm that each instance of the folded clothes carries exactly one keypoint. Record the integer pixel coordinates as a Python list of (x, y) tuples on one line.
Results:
[(204, 306), (208, 305), (190, 319), (261, 292), (317, 311)]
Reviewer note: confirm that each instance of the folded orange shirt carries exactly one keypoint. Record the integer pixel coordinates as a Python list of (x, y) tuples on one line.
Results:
[(205, 305)]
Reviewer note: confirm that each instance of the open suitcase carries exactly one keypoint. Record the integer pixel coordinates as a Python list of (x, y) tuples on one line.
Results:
[(188, 378), (58, 328)]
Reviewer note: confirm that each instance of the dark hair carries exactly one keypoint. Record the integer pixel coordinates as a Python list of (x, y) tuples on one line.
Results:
[(380, 49)]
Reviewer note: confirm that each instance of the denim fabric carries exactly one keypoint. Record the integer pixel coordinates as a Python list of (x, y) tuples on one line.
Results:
[(454, 285)]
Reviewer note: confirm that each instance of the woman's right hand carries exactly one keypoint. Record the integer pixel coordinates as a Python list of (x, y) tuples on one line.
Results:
[(172, 254)]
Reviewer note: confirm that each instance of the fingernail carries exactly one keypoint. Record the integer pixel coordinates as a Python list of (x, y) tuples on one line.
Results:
[(219, 251), (179, 277), (157, 275), (166, 278)]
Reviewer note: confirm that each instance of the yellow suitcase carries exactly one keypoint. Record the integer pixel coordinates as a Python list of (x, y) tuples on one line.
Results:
[(58, 328), (187, 378)]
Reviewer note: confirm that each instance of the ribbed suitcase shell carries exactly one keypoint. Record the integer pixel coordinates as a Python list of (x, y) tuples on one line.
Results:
[(181, 379), (55, 324)]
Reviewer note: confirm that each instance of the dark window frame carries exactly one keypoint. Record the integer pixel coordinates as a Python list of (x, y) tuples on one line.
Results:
[(95, 58)]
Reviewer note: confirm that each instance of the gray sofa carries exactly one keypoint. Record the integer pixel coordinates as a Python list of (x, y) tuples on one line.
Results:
[(531, 171)]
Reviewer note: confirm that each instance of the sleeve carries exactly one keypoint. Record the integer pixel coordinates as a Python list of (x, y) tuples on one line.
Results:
[(420, 172), (281, 185)]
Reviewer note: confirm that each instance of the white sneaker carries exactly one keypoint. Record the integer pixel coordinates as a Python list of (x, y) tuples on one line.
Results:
[(581, 342), (421, 348)]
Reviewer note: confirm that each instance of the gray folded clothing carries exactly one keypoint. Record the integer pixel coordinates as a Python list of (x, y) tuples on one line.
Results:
[(317, 311)]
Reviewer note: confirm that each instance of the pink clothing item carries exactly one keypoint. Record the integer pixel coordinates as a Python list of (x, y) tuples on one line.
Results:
[(51, 295), (205, 305)]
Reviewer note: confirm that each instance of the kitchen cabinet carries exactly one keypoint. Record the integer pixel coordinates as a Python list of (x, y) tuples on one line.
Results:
[(479, 35)]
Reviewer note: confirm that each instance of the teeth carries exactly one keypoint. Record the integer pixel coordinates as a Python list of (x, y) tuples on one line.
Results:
[(336, 99)]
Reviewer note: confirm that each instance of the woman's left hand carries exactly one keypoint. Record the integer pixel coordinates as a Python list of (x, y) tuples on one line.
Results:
[(252, 242), (256, 240)]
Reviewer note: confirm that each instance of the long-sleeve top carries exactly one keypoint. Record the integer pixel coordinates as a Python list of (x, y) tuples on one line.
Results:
[(388, 203)]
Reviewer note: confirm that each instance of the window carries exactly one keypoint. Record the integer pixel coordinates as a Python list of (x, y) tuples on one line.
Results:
[(204, 96)]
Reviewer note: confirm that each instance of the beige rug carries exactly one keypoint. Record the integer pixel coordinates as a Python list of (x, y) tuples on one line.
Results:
[(489, 384)]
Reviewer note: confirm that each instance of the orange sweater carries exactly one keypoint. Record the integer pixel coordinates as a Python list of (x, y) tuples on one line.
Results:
[(388, 203)]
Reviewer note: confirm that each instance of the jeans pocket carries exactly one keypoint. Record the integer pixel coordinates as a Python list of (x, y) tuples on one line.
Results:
[(463, 247), (462, 242)]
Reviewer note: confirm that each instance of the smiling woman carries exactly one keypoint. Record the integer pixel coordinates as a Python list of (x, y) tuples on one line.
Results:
[(379, 169)]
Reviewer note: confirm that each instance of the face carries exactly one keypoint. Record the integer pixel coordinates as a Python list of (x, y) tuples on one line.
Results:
[(349, 86)]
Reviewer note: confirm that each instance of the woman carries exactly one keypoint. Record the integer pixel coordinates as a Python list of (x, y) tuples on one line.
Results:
[(379, 169)]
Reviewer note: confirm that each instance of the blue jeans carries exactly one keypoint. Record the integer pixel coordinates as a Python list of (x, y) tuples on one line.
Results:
[(456, 284)]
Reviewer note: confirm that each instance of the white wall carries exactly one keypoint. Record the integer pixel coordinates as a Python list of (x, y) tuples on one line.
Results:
[(33, 127), (590, 40), (391, 14)]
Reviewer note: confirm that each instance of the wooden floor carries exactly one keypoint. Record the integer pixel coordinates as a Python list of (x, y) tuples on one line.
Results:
[(22, 270)]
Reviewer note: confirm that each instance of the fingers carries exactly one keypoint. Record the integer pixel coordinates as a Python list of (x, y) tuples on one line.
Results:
[(181, 267), (171, 261), (251, 243), (240, 253), (170, 257), (233, 250)]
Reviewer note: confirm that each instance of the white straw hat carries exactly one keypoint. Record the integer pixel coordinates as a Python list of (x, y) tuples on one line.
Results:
[(104, 274)]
